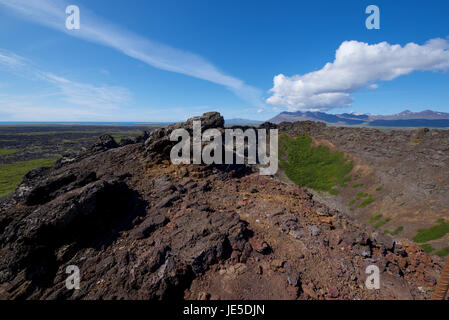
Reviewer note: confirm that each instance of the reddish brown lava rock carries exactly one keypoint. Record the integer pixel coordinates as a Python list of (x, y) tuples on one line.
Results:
[(137, 229)]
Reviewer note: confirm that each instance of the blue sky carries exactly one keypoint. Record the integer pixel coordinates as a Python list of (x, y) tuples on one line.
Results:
[(143, 60)]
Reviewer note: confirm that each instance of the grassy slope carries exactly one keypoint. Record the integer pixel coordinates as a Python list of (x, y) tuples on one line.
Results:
[(321, 170), (11, 174), (313, 167), (4, 152), (432, 233)]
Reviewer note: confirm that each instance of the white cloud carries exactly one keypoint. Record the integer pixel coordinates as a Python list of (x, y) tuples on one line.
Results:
[(11, 60), (51, 13), (101, 97), (356, 65), (29, 108), (74, 99)]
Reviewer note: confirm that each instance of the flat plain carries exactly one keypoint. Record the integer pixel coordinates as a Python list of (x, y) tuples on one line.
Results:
[(25, 147)]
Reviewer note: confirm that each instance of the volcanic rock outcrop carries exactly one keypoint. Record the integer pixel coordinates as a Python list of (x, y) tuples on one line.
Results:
[(138, 227), (158, 145), (405, 171)]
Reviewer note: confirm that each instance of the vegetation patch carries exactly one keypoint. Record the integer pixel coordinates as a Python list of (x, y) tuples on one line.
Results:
[(313, 167), (366, 202), (5, 152), (361, 195), (357, 185), (443, 252), (432, 233), (382, 223), (119, 138), (11, 174), (351, 203), (427, 248), (375, 218), (379, 189), (395, 231)]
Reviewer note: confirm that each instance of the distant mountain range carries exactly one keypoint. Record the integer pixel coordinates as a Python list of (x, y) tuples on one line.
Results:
[(427, 118)]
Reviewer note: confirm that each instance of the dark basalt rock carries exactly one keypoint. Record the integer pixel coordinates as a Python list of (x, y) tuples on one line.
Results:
[(126, 141), (89, 216), (105, 142), (147, 227), (155, 232), (158, 144)]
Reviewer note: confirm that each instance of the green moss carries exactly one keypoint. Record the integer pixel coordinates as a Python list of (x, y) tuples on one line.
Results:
[(427, 248), (395, 232), (119, 138), (351, 203), (70, 141), (313, 167), (366, 202), (432, 233), (11, 174), (382, 223), (379, 189), (443, 252), (375, 218), (361, 195), (357, 185), (4, 152)]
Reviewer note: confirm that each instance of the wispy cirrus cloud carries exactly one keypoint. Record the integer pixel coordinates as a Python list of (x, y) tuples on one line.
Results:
[(11, 60), (51, 13), (66, 100), (356, 65), (33, 108), (103, 97), (74, 97)]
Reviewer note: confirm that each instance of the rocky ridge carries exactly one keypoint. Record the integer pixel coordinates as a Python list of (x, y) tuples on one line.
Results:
[(139, 227)]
